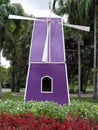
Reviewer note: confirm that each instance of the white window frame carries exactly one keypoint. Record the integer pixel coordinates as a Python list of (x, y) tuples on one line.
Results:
[(51, 84)]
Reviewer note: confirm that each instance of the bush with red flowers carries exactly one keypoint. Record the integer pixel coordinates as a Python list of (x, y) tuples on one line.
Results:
[(28, 122)]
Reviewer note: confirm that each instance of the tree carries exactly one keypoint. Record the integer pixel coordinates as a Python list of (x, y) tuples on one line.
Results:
[(83, 17), (71, 7), (5, 9), (23, 46), (10, 31), (16, 50), (71, 56), (15, 38)]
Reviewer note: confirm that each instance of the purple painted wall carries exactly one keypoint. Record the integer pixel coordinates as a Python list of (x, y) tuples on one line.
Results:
[(38, 69), (55, 71)]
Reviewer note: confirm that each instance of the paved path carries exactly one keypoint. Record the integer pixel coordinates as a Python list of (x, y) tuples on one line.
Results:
[(6, 90), (89, 95), (9, 90)]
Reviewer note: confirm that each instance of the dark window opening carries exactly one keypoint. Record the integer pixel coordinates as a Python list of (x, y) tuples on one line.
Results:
[(46, 84)]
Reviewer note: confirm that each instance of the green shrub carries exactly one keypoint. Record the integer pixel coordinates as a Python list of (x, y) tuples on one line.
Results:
[(51, 109)]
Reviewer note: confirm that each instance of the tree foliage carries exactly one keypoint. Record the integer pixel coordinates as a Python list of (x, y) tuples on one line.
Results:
[(79, 12), (15, 41)]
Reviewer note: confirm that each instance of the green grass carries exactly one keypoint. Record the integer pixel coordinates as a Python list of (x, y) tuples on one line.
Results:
[(84, 99), (75, 87), (15, 96), (12, 96)]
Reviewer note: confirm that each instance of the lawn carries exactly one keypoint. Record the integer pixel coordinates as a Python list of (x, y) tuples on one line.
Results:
[(11, 96), (20, 97), (84, 99)]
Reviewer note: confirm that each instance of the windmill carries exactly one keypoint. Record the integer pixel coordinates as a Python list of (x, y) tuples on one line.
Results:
[(47, 72)]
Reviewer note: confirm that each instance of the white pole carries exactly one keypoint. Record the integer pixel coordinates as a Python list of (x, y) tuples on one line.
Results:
[(94, 76)]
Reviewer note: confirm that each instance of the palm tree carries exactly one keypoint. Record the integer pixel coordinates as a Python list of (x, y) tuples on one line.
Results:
[(80, 12)]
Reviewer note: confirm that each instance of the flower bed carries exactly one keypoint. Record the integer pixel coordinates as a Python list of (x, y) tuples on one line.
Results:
[(19, 115), (29, 122)]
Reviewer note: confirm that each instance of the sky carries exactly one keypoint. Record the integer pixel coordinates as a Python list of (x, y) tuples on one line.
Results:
[(3, 61), (33, 6)]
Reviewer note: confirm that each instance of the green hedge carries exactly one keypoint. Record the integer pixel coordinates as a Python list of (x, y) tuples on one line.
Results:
[(50, 109)]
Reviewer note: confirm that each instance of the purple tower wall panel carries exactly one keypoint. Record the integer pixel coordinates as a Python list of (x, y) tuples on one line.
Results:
[(38, 41), (57, 73), (39, 38), (57, 48)]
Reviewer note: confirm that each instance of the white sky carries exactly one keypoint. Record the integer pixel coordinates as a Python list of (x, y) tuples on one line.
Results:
[(3, 61), (33, 6)]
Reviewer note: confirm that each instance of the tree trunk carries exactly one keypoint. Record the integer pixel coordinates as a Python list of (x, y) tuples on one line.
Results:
[(82, 82), (18, 75), (54, 2), (0, 90), (85, 79), (13, 82), (17, 86)]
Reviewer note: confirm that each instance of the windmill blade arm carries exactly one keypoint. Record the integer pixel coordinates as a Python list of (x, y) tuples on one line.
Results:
[(84, 28), (24, 18), (19, 17)]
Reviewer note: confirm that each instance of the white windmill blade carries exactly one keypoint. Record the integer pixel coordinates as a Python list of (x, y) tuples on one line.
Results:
[(24, 18), (84, 28)]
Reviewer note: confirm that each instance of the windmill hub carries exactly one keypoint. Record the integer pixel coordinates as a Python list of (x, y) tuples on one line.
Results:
[(49, 21)]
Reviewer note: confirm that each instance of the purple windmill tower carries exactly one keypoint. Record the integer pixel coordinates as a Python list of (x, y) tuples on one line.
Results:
[(47, 73)]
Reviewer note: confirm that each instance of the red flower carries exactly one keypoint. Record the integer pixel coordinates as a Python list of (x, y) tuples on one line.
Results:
[(29, 122), (96, 127)]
